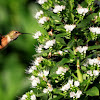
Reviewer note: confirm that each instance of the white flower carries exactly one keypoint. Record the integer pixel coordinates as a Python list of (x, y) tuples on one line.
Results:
[(70, 82), (41, 1), (78, 94), (65, 87), (95, 30), (38, 60), (89, 72), (44, 73), (43, 19), (58, 8), (82, 49), (37, 34), (90, 61), (40, 74), (81, 10), (39, 49), (69, 27), (33, 97), (49, 43), (94, 61), (38, 14), (60, 52), (31, 69), (31, 91), (24, 97), (34, 80), (72, 94), (85, 48), (76, 83), (48, 89), (61, 70), (95, 72), (34, 84), (65, 50), (45, 90)]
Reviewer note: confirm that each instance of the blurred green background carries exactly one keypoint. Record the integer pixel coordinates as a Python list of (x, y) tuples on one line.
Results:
[(16, 58)]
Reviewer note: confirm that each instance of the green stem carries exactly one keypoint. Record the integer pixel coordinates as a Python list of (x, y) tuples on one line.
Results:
[(87, 84), (74, 76)]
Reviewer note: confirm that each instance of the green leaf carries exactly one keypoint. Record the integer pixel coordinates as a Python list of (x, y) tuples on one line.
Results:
[(61, 35), (61, 40), (62, 62), (41, 94), (57, 98), (86, 22), (83, 68), (94, 47), (70, 44), (56, 91), (52, 72), (60, 28), (94, 91), (39, 54), (56, 18), (89, 1), (84, 83)]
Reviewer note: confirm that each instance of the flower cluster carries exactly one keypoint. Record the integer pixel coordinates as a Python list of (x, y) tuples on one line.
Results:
[(69, 27), (43, 20), (95, 72), (61, 70), (69, 86), (44, 73), (39, 49), (81, 10), (95, 30), (38, 14), (42, 1), (75, 95), (24, 97), (37, 34), (67, 59), (58, 8), (49, 43), (48, 89), (34, 81), (38, 60), (31, 69), (94, 61), (33, 97), (82, 49)]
